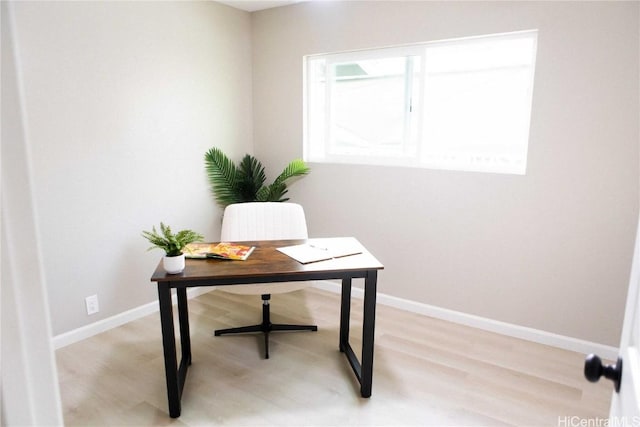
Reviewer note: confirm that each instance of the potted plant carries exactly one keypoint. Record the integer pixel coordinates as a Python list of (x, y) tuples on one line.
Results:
[(172, 244), (246, 182)]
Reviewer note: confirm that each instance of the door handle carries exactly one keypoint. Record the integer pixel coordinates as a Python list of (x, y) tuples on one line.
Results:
[(594, 369)]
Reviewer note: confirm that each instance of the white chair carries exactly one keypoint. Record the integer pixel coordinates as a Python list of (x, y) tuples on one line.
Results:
[(264, 221)]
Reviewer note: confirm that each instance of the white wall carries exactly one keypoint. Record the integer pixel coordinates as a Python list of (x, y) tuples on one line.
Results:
[(122, 100), (550, 250)]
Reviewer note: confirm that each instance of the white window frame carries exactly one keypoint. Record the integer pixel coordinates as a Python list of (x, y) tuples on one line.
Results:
[(415, 150)]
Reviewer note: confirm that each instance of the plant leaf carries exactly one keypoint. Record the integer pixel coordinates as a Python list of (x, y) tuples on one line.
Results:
[(223, 177), (273, 192), (251, 178), (296, 167)]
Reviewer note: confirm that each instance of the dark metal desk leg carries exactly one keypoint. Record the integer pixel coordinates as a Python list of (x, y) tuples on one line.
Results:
[(169, 345), (183, 317), (368, 329), (345, 313)]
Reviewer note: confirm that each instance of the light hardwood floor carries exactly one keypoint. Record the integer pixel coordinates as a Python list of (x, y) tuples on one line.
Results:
[(427, 372)]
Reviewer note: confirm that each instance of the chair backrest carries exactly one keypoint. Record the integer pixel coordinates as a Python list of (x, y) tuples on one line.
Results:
[(263, 221)]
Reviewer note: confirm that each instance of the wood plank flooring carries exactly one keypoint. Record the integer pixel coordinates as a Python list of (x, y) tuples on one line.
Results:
[(427, 372)]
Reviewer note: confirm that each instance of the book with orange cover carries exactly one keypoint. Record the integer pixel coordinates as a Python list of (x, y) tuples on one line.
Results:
[(222, 250)]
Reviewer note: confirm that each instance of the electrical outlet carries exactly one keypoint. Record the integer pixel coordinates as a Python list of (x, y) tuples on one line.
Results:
[(92, 304)]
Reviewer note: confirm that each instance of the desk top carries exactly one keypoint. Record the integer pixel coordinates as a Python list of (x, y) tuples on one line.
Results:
[(267, 263)]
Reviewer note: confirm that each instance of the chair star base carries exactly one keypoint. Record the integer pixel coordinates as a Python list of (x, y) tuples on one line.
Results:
[(266, 326)]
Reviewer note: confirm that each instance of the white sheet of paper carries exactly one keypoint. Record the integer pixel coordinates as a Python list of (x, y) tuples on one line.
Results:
[(320, 250)]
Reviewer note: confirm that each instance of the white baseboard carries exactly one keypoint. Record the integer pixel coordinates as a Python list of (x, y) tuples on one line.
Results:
[(503, 328), (95, 328), (508, 329)]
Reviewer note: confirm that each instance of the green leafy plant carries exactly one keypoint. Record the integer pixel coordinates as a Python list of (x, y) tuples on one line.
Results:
[(246, 182), (172, 244)]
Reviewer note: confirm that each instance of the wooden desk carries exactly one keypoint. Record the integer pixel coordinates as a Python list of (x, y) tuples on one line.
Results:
[(266, 265)]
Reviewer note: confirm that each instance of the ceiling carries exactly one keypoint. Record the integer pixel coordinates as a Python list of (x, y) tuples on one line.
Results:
[(253, 5)]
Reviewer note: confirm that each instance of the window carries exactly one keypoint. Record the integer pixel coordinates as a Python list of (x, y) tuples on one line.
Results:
[(461, 104)]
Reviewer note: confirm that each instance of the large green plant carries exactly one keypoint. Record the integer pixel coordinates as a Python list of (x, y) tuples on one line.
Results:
[(246, 182)]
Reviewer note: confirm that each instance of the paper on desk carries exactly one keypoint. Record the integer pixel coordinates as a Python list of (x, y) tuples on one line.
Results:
[(320, 251)]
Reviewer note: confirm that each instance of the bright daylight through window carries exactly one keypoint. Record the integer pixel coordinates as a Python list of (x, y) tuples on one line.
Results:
[(462, 104)]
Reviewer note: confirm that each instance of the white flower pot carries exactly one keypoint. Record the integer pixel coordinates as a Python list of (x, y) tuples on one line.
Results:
[(173, 264)]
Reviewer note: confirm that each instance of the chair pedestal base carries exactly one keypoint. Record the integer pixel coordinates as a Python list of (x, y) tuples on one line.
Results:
[(266, 326)]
